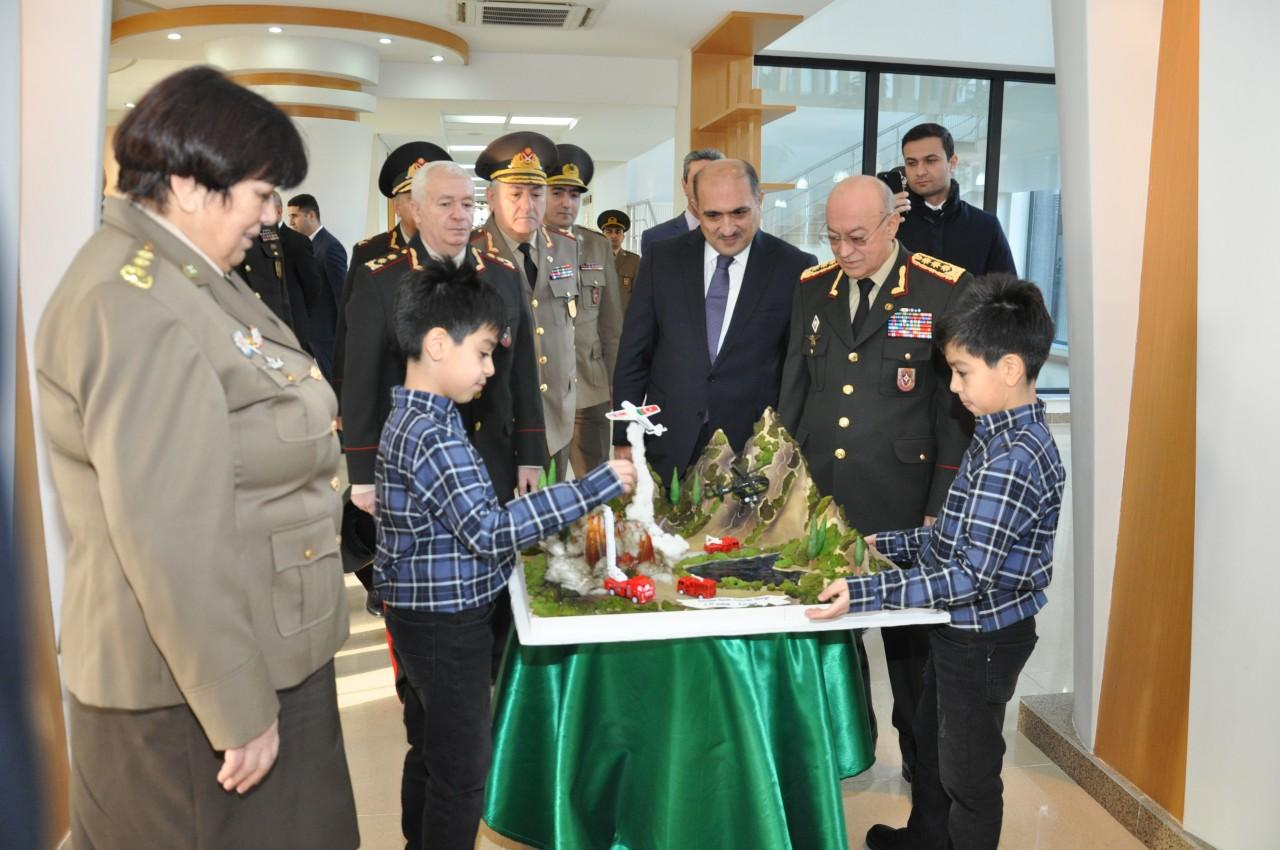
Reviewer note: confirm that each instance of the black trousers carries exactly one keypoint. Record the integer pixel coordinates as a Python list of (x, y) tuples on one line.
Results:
[(446, 659), (957, 795), (905, 651)]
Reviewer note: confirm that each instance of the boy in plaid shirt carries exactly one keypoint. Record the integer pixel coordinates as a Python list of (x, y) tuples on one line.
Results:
[(987, 561), (446, 546)]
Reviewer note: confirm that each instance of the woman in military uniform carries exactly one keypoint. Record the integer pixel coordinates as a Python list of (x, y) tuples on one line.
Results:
[(194, 452)]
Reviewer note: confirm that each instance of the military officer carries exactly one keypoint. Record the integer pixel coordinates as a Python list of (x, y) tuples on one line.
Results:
[(599, 323), (263, 270), (393, 182), (865, 393), (516, 166), (615, 224)]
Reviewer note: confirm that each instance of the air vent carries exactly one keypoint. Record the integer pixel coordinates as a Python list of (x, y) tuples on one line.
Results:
[(519, 13)]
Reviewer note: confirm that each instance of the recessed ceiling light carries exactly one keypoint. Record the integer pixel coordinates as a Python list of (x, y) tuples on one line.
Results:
[(476, 119), (174, 36), (130, 105), (274, 30), (384, 40), (437, 58), (466, 148), (543, 120)]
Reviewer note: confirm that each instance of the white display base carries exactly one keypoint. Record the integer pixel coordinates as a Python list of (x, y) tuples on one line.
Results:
[(670, 625)]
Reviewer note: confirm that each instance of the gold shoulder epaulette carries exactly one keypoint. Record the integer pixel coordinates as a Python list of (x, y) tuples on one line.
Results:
[(501, 260), (567, 234), (137, 272), (937, 268), (363, 242), (817, 271), (384, 262)]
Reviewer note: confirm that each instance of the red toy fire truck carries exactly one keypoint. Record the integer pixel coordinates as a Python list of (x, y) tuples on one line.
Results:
[(639, 589), (721, 544), (692, 585)]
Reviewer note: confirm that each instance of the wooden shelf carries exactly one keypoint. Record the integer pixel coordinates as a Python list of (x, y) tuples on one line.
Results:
[(741, 112), (777, 187)]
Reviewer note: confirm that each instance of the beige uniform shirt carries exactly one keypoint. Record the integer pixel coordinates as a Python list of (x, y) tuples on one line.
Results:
[(599, 323)]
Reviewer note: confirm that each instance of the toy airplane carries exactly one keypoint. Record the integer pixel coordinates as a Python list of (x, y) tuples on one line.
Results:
[(631, 413)]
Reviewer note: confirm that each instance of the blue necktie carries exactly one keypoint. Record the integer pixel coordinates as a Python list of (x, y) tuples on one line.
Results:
[(717, 303)]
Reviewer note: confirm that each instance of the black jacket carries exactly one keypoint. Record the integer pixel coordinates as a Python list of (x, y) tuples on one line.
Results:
[(392, 241), (959, 233), (663, 359), (313, 305)]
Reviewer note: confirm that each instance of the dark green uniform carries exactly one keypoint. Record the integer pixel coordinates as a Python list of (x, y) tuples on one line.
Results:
[(263, 269), (628, 266)]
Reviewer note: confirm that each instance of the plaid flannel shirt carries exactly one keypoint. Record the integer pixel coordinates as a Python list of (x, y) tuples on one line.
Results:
[(989, 556), (444, 541)]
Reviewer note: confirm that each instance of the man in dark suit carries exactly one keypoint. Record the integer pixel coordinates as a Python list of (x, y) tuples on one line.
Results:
[(304, 217), (694, 161), (706, 332), (865, 394)]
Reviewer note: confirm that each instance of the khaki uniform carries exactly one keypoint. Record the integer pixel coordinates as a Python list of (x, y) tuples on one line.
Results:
[(194, 450), (555, 303), (596, 335), (628, 265)]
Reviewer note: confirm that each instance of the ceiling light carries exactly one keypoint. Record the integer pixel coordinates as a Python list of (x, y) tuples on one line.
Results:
[(384, 40), (274, 30), (543, 120), (779, 203), (839, 175), (130, 105), (437, 58), (802, 183), (475, 119), (466, 148), (174, 36)]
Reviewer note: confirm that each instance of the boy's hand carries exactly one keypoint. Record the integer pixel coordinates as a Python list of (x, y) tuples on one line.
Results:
[(622, 452), (244, 767), (838, 594), (626, 473), (364, 501), (870, 540), (527, 479)]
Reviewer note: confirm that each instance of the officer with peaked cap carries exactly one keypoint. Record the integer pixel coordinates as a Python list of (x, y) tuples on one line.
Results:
[(599, 323), (516, 166), (393, 182), (615, 224)]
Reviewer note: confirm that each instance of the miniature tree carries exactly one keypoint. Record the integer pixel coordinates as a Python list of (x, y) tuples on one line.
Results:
[(675, 487), (695, 491), (817, 538), (859, 551), (551, 472), (542, 479)]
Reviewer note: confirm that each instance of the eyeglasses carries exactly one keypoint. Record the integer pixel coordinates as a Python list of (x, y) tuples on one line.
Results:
[(835, 240)]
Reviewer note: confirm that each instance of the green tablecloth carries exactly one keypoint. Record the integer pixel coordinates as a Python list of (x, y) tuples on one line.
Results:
[(703, 743)]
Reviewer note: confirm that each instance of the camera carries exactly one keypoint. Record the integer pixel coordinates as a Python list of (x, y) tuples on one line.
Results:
[(896, 178)]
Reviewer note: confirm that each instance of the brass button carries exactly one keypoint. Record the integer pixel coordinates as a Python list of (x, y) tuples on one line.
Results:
[(539, 331), (888, 308), (853, 357), (844, 421), (249, 268), (306, 553), (535, 303), (839, 454), (290, 377), (338, 539), (477, 425), (542, 388), (922, 456), (907, 356), (334, 482), (847, 389), (543, 360), (333, 427), (258, 295), (575, 379), (315, 372)]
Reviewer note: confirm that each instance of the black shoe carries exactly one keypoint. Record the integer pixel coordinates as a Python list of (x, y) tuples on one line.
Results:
[(372, 604), (881, 837)]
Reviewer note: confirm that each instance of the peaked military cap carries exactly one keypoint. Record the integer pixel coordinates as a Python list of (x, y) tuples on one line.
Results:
[(522, 157), (397, 172), (574, 168), (614, 218)]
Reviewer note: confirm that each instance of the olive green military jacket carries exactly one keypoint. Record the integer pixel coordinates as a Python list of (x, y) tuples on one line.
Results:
[(628, 266), (194, 451), (599, 324), (554, 302), (874, 416)]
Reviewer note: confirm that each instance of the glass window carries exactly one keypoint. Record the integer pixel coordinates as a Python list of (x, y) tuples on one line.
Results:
[(959, 104), (813, 148), (1030, 205)]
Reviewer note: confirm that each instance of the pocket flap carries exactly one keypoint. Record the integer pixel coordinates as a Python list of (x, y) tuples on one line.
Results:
[(304, 544), (908, 350), (915, 449)]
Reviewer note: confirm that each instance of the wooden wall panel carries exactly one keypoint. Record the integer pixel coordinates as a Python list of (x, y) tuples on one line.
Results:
[(1142, 713)]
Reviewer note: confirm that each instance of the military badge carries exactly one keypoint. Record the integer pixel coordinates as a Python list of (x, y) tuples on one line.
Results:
[(626, 283), (907, 378), (247, 346), (910, 323), (595, 296), (813, 337), (561, 272), (274, 362), (592, 267), (573, 307)]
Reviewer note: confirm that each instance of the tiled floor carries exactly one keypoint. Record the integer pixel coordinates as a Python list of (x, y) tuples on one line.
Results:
[(1044, 809)]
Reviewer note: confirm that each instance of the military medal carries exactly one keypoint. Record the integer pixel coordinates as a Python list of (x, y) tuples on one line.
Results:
[(561, 272), (243, 343), (910, 323), (907, 378), (813, 337), (274, 362), (591, 267)]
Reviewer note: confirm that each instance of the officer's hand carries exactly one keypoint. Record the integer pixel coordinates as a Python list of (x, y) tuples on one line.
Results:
[(626, 472), (244, 767), (364, 501), (870, 540), (838, 594), (622, 452), (527, 479), (929, 520), (901, 203)]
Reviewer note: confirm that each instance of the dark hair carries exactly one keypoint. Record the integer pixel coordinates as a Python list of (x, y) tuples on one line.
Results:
[(197, 123), (753, 179), (699, 155), (998, 314), (442, 295), (931, 131), (306, 203)]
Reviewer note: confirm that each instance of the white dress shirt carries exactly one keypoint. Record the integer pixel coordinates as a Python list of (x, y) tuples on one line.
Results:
[(877, 280), (736, 270), (691, 219)]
